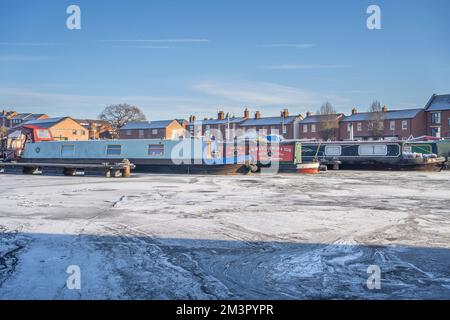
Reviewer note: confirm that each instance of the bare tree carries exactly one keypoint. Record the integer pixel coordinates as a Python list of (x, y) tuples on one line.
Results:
[(327, 124), (376, 120), (119, 115)]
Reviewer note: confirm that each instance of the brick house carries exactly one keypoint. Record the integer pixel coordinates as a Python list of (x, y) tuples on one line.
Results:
[(5, 117), (64, 128), (395, 124), (163, 129), (97, 129), (438, 116), (11, 119), (309, 127), (284, 125), (222, 124)]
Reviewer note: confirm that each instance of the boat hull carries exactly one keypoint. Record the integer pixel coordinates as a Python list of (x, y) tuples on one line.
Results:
[(149, 166), (394, 164)]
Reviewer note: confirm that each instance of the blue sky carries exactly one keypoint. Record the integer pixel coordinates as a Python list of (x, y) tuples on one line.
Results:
[(176, 58)]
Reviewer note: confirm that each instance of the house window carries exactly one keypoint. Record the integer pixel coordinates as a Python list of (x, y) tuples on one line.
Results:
[(448, 122), (359, 126), (284, 129), (404, 125), (128, 132), (155, 150), (155, 131), (392, 125), (74, 132), (313, 128), (207, 127), (436, 132), (370, 125), (349, 127), (141, 133), (113, 149), (305, 128), (372, 150), (67, 150), (436, 118)]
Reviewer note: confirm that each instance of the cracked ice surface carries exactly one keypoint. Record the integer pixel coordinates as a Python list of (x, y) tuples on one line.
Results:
[(209, 237)]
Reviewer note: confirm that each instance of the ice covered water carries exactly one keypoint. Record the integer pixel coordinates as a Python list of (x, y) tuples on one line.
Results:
[(255, 236)]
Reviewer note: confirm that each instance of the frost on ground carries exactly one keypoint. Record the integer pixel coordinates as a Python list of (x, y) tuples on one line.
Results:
[(226, 237)]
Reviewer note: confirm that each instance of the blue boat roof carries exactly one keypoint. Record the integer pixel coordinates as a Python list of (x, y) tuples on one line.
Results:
[(439, 103), (388, 115), (267, 121)]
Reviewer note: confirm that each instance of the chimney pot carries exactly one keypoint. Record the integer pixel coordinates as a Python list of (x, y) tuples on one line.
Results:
[(257, 115), (385, 109), (285, 113), (221, 115), (308, 114), (246, 113), (354, 111)]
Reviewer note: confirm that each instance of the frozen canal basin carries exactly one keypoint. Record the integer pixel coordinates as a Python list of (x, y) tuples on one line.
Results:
[(226, 237)]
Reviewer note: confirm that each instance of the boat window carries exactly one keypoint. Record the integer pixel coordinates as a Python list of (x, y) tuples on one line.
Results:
[(114, 149), (43, 134), (372, 150), (333, 150), (67, 150), (155, 149)]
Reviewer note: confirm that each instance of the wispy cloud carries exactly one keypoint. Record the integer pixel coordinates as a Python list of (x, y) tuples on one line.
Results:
[(305, 66), (23, 58), (154, 43), (182, 40), (82, 105), (265, 94), (151, 47), (289, 45), (27, 44)]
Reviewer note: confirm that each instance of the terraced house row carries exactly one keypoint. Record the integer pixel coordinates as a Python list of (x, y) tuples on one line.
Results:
[(432, 120)]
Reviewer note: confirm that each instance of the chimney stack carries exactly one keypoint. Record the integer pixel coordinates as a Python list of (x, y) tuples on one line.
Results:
[(385, 109), (221, 115), (308, 114), (246, 113), (257, 115), (191, 118), (285, 113), (354, 111)]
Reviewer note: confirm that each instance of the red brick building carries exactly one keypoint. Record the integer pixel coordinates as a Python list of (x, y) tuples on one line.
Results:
[(309, 127), (394, 124), (438, 116), (163, 129), (284, 125), (217, 128)]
